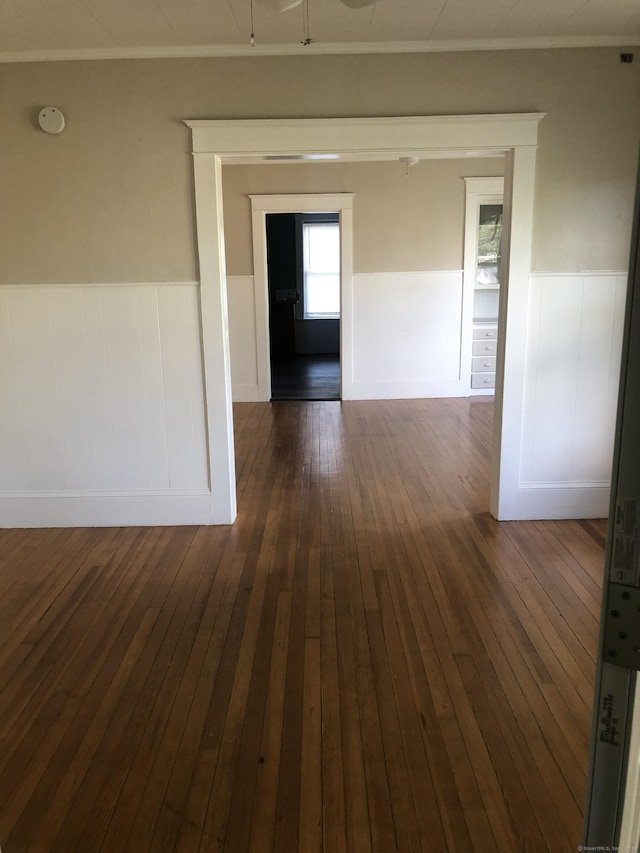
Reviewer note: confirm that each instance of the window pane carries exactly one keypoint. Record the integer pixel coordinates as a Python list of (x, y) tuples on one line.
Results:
[(322, 294), (323, 247), (321, 269), (489, 234)]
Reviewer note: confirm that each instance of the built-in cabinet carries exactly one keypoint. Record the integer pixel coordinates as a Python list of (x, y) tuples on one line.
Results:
[(483, 356), (483, 232)]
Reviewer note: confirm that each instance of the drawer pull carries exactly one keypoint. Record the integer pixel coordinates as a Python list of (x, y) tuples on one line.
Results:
[(488, 349), (487, 381), (487, 364)]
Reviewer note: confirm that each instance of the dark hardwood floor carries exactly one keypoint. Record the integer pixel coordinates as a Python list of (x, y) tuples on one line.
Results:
[(365, 661), (305, 377)]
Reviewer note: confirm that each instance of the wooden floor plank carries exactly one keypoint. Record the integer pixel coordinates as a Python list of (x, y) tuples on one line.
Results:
[(262, 828), (311, 825), (365, 661), (333, 814)]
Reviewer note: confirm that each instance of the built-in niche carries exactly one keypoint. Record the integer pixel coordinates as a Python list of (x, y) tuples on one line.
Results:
[(483, 252)]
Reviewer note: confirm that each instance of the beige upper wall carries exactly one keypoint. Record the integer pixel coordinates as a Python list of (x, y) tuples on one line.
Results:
[(401, 222), (111, 198)]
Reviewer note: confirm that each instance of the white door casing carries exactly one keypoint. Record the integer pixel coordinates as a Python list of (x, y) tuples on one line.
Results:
[(240, 141), (261, 205)]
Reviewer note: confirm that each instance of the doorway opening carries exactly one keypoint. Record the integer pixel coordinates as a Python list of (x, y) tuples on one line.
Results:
[(484, 215), (303, 271), (357, 139), (339, 205), (484, 296)]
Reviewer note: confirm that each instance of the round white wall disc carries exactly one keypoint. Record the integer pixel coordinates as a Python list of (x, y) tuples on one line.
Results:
[(51, 120)]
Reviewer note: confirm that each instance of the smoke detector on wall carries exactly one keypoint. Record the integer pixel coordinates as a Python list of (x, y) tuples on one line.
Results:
[(51, 120)]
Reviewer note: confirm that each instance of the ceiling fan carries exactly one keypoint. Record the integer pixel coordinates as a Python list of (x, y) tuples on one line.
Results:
[(284, 5)]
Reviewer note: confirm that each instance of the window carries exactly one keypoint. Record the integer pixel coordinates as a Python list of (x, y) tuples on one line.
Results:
[(321, 247), (489, 236)]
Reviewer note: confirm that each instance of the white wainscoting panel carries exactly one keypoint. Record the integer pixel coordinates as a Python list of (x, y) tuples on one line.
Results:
[(407, 335), (104, 420), (242, 338), (571, 386)]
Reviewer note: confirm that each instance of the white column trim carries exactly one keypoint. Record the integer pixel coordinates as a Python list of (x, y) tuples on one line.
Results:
[(214, 319), (519, 185), (261, 301)]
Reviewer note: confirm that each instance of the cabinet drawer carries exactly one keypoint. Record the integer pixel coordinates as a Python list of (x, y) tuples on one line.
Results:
[(481, 333), (483, 380), (482, 365), (484, 347)]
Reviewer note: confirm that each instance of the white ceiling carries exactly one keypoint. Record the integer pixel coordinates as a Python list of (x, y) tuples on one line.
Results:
[(61, 29)]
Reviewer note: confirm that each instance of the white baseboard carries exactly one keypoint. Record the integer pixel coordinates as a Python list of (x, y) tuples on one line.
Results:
[(245, 392), (561, 500), (409, 390), (106, 509)]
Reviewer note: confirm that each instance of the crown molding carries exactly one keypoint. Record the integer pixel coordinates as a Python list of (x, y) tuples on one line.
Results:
[(221, 51)]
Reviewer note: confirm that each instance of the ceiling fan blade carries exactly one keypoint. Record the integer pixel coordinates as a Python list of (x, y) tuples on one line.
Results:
[(357, 4), (279, 5)]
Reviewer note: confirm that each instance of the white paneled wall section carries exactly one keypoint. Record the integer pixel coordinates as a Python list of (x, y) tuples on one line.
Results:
[(407, 330), (103, 415), (571, 386), (242, 338), (406, 336)]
